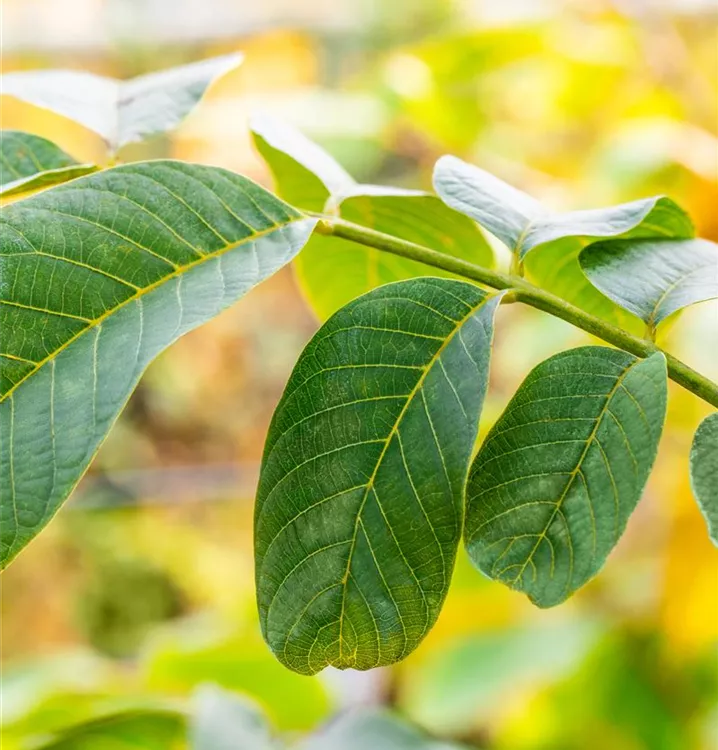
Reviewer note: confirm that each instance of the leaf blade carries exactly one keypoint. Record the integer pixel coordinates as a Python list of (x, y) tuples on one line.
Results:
[(590, 414), (704, 472), (348, 407), (97, 298)]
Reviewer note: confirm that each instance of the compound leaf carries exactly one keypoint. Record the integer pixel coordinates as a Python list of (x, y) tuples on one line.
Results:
[(554, 483), (360, 501), (653, 278), (99, 276), (704, 472), (333, 271), (120, 111), (28, 162)]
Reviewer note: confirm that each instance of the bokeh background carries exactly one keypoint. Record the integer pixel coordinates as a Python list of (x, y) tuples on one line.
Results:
[(142, 587)]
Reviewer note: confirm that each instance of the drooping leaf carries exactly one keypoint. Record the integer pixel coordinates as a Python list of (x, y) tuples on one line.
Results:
[(223, 721), (373, 729), (28, 162), (360, 500), (704, 472), (120, 112), (653, 278), (558, 476), (334, 271), (522, 223), (98, 276), (129, 730)]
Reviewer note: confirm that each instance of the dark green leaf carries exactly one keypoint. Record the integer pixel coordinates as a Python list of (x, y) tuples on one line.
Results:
[(120, 111), (653, 278), (360, 501), (558, 476), (333, 271), (522, 223), (223, 721), (28, 162), (704, 472), (99, 276)]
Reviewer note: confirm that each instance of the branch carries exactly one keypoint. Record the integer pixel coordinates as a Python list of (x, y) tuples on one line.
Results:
[(523, 291)]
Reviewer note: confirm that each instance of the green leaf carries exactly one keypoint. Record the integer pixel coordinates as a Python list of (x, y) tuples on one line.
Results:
[(129, 730), (373, 729), (558, 476), (360, 500), (332, 271), (223, 721), (28, 162), (121, 112), (653, 278), (99, 276), (522, 223), (704, 472)]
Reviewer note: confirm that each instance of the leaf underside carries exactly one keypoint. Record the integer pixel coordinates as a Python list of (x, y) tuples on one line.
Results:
[(704, 472), (554, 483), (359, 507), (98, 277)]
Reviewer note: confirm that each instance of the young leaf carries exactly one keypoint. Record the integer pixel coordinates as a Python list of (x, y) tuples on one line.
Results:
[(557, 477), (99, 276), (333, 271), (360, 500), (223, 721), (704, 472), (522, 223), (120, 112), (653, 278), (28, 162)]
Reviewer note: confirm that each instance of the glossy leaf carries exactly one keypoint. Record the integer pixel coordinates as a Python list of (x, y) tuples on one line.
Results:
[(360, 500), (150, 730), (559, 474), (373, 729), (332, 271), (28, 162), (223, 721), (99, 276), (704, 472), (653, 278), (120, 111), (522, 223)]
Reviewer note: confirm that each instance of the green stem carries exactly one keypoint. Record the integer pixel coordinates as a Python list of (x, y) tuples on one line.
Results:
[(523, 291)]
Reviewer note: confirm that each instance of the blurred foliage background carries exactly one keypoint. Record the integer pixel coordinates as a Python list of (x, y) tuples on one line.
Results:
[(142, 588)]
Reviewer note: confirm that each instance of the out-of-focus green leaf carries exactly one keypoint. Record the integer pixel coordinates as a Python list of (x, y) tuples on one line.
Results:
[(373, 730), (223, 721), (136, 256), (653, 278), (561, 471), (704, 472), (360, 500), (333, 271), (522, 223), (130, 730), (28, 162), (120, 111)]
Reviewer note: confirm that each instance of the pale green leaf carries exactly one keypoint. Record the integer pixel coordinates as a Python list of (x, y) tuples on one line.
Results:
[(373, 729), (360, 500), (704, 472), (653, 278), (223, 721), (98, 276), (129, 730), (332, 271), (559, 474), (28, 162), (120, 111), (522, 223)]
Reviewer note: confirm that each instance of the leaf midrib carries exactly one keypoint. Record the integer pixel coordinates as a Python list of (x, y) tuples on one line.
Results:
[(179, 271)]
